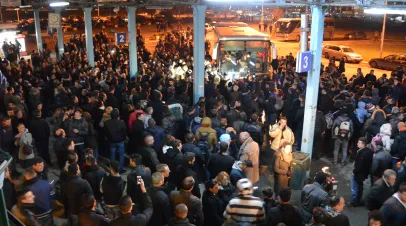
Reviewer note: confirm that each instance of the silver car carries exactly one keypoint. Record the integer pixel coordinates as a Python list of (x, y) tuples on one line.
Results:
[(340, 51)]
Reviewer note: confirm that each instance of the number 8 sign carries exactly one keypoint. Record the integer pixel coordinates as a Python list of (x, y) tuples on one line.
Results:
[(121, 38), (303, 61)]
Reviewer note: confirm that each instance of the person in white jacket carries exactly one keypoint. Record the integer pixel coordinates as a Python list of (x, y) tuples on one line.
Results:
[(385, 132)]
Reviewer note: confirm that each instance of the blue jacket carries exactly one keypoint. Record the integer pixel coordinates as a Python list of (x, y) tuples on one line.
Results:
[(236, 174), (44, 194), (158, 134)]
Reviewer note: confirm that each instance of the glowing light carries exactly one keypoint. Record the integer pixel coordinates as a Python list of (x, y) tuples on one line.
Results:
[(58, 4), (252, 63), (384, 11)]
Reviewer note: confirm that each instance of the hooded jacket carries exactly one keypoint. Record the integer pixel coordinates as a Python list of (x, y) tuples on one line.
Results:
[(115, 129), (206, 128), (386, 132), (361, 112)]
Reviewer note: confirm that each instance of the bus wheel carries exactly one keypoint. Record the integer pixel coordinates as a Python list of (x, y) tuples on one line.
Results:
[(298, 38)]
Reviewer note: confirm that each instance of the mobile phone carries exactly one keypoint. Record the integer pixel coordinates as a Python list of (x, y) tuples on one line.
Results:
[(138, 179)]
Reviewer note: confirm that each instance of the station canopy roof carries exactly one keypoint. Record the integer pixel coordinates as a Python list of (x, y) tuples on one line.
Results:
[(163, 4)]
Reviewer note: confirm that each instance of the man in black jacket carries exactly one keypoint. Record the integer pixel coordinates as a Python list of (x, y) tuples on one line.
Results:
[(394, 208), (38, 166), (362, 165), (126, 205), (116, 133), (77, 129), (112, 188), (220, 161), (284, 212), (133, 188), (148, 154), (199, 166), (59, 147), (186, 170), (88, 215), (40, 131), (381, 191), (160, 200), (334, 215), (72, 191), (94, 175)]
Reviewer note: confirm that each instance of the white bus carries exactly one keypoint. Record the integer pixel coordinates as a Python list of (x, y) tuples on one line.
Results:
[(241, 51), (288, 29)]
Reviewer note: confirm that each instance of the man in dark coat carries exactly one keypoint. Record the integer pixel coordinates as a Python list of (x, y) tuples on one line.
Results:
[(88, 215), (193, 203), (137, 135), (220, 161), (157, 132), (335, 217), (40, 131), (180, 219), (213, 206), (284, 212), (111, 99), (94, 175), (116, 132), (148, 154), (126, 205), (199, 166), (160, 201), (186, 170), (72, 191), (133, 188), (77, 129), (394, 209), (362, 165), (381, 191)]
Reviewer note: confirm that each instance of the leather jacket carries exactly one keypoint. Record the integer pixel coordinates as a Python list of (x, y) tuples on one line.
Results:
[(313, 195)]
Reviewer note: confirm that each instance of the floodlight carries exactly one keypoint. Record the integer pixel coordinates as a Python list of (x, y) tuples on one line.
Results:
[(58, 4)]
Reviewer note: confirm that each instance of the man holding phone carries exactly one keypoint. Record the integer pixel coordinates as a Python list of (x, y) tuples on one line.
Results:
[(280, 131)]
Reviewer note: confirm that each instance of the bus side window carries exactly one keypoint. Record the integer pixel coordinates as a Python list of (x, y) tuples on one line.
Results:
[(214, 55)]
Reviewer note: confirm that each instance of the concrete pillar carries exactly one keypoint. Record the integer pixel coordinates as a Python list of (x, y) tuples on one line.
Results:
[(61, 49), (313, 78), (89, 35), (132, 41), (198, 51), (38, 30)]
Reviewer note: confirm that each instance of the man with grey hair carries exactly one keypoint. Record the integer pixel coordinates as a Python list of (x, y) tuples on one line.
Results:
[(160, 200), (249, 150), (149, 112), (381, 191)]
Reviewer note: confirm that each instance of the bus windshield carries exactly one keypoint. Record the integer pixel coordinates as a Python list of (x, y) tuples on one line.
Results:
[(286, 26), (243, 56)]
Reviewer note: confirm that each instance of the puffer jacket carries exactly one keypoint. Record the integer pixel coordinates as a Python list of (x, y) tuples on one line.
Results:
[(361, 112), (313, 195), (249, 150), (79, 124), (206, 128), (381, 161), (168, 124), (276, 133), (386, 132)]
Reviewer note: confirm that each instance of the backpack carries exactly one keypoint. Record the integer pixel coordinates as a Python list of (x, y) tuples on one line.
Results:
[(343, 130), (329, 120), (204, 147), (376, 138)]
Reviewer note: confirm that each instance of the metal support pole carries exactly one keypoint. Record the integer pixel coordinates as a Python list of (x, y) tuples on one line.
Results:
[(383, 35), (18, 15), (38, 30), (89, 35), (3, 210), (61, 48), (198, 51), (132, 39), (304, 28), (313, 78)]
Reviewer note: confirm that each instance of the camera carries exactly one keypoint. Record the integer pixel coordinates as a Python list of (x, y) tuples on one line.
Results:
[(331, 184)]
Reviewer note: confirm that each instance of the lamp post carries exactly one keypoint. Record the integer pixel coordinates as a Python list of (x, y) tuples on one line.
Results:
[(383, 35)]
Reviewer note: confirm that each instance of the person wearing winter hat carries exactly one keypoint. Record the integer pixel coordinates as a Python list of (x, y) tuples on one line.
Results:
[(245, 208)]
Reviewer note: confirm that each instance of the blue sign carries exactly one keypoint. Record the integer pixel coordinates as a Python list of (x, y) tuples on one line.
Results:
[(303, 61), (121, 38)]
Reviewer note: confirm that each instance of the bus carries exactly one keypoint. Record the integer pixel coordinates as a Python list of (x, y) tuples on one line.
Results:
[(241, 51), (288, 29)]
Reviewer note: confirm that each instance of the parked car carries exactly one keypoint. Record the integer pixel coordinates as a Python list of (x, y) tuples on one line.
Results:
[(340, 51), (390, 62), (356, 35)]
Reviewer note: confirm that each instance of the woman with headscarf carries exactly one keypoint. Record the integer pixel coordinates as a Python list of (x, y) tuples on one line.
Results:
[(283, 166)]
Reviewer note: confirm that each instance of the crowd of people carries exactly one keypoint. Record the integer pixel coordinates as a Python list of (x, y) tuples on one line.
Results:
[(166, 146)]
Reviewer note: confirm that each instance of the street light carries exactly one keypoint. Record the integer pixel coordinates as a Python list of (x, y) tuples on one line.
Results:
[(384, 11), (58, 4)]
